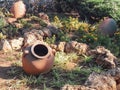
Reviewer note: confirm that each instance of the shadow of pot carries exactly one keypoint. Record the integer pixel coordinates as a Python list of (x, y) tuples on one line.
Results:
[(37, 58)]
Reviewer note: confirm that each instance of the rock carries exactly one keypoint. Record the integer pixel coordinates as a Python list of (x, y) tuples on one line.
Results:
[(101, 82), (16, 44), (31, 37), (109, 80), (75, 87), (74, 46), (61, 46), (115, 73), (11, 20), (5, 45), (53, 29), (18, 9), (44, 17), (18, 25), (103, 57), (47, 32)]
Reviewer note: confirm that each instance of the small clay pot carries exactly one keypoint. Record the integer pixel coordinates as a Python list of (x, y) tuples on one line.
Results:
[(108, 26), (18, 9), (37, 58)]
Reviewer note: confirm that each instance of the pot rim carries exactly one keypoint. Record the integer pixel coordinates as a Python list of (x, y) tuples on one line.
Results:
[(40, 43)]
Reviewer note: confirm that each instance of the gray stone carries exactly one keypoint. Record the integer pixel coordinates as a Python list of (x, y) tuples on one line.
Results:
[(16, 44), (5, 45), (103, 57), (47, 32), (74, 46), (31, 37)]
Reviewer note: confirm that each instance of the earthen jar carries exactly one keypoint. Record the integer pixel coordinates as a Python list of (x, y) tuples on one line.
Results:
[(108, 26), (18, 9), (37, 58)]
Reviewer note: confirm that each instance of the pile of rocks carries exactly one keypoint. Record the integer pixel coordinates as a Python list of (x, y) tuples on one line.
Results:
[(109, 80)]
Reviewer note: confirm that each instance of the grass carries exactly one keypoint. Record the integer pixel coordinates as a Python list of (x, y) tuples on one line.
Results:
[(57, 77), (68, 68)]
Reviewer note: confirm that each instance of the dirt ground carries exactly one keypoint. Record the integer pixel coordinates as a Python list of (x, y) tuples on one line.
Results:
[(8, 73)]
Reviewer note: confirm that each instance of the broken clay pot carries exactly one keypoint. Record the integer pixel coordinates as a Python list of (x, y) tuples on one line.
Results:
[(18, 9), (37, 58)]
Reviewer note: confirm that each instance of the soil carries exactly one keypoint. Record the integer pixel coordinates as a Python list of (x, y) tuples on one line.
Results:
[(7, 80)]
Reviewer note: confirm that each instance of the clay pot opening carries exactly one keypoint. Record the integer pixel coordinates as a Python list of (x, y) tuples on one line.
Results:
[(40, 50)]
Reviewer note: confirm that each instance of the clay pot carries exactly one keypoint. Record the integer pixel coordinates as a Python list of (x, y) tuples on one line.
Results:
[(18, 9), (108, 26), (37, 58)]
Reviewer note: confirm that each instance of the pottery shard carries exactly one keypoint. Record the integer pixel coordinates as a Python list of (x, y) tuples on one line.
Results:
[(31, 37), (18, 9), (5, 45), (61, 46), (16, 44), (103, 57), (74, 46), (101, 82)]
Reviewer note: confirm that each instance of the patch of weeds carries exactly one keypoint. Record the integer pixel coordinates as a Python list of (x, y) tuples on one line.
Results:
[(51, 40), (10, 31), (2, 22), (14, 84), (17, 64), (39, 20), (32, 80), (62, 36), (2, 36), (25, 23), (10, 58), (86, 58), (62, 59), (14, 71)]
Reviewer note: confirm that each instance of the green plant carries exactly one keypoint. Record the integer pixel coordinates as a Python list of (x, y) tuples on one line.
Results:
[(92, 10), (51, 40), (2, 22), (10, 31), (2, 36), (61, 59), (63, 36)]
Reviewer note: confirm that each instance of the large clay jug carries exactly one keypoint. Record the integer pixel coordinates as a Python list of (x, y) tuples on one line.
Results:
[(18, 9), (37, 58)]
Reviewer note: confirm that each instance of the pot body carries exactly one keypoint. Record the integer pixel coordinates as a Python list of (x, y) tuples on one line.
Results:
[(18, 9), (37, 58), (108, 26)]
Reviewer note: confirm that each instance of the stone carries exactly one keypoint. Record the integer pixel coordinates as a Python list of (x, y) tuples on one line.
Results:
[(100, 82), (103, 57), (75, 87), (61, 46), (47, 32), (44, 17), (31, 37), (74, 46), (5, 45), (16, 44), (53, 29), (115, 73), (11, 20)]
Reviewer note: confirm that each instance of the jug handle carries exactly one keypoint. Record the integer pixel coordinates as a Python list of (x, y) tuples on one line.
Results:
[(25, 53)]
